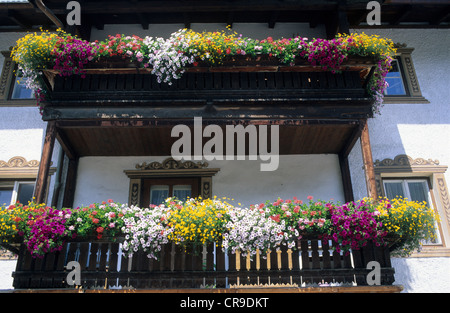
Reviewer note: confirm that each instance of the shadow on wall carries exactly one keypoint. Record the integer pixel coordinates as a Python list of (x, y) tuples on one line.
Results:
[(403, 275)]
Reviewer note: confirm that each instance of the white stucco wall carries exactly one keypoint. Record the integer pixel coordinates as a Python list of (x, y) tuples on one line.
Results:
[(102, 178), (418, 130)]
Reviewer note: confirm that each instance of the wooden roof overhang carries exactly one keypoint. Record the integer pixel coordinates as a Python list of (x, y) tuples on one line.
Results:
[(336, 15), (127, 112)]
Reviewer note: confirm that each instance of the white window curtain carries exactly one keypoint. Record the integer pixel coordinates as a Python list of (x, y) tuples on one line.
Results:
[(182, 192), (158, 194)]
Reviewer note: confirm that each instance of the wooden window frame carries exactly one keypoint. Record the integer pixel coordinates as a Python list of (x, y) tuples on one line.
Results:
[(169, 169), (18, 169), (405, 167), (408, 72), (148, 182), (7, 78)]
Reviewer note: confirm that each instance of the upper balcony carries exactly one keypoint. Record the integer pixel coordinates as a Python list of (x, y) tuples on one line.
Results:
[(240, 89), (216, 75)]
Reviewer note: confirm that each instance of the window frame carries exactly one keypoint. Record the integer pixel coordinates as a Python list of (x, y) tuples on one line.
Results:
[(402, 76), (409, 76), (147, 183), (14, 185), (169, 169), (19, 169), (405, 167), (430, 199), (7, 81)]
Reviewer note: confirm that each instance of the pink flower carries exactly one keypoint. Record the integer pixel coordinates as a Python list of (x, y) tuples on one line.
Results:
[(310, 197)]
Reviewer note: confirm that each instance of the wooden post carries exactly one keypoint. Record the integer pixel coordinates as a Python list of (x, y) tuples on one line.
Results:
[(346, 178), (71, 180), (44, 165), (368, 163)]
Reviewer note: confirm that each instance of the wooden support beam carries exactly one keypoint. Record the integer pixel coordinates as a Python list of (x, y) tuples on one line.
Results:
[(70, 184), (13, 16), (368, 163), (403, 13), (346, 178), (352, 139), (343, 25), (44, 165)]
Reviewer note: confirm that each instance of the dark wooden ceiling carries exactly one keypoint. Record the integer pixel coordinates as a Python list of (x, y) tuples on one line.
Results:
[(153, 141), (394, 13)]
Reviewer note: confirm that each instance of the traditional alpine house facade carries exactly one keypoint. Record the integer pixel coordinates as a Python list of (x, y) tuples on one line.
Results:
[(109, 135)]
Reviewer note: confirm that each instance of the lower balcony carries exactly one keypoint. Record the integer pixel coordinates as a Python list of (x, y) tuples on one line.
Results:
[(312, 266)]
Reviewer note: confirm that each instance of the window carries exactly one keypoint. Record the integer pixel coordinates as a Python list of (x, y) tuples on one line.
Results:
[(13, 91), (152, 183), (395, 81), (17, 179), (20, 91), (16, 191), (155, 191), (413, 189), (402, 79), (419, 180)]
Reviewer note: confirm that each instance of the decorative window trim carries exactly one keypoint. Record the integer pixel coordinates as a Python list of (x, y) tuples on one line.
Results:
[(403, 166), (414, 94), (19, 168), (6, 84), (169, 168)]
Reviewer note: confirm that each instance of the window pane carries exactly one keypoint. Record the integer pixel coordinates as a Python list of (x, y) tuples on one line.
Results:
[(25, 193), (5, 196), (394, 189), (182, 192), (418, 191), (395, 81), (158, 194), (20, 91)]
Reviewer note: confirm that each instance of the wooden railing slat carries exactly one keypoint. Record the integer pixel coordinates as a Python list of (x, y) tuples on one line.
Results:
[(200, 266)]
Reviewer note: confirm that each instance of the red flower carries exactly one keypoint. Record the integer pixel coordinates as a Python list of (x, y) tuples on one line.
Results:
[(95, 220), (276, 218), (100, 229)]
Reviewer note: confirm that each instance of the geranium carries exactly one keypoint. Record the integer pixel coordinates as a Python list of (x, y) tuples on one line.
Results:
[(98, 219), (126, 47), (301, 217)]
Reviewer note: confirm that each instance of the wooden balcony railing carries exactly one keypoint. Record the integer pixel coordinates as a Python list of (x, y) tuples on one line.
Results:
[(103, 266)]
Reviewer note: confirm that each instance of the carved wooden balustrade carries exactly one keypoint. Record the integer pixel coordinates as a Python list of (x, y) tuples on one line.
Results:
[(104, 266)]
